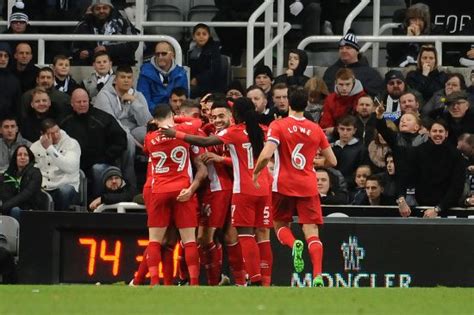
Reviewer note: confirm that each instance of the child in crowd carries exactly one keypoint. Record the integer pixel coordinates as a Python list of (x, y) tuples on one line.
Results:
[(62, 79), (350, 151), (102, 75), (357, 193), (204, 59), (297, 63)]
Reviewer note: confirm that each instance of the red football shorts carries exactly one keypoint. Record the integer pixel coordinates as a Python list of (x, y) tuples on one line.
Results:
[(251, 211), (308, 209), (215, 208), (164, 210)]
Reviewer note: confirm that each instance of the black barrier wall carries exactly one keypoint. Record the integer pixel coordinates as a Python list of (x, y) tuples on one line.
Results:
[(65, 247)]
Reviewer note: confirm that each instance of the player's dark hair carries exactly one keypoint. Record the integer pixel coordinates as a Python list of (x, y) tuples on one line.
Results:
[(162, 111), (221, 103), (190, 103), (244, 111), (298, 99)]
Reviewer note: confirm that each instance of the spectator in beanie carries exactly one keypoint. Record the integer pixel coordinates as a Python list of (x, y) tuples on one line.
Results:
[(115, 189), (263, 78)]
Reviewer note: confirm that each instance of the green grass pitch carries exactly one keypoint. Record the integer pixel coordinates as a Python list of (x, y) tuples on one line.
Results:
[(116, 299)]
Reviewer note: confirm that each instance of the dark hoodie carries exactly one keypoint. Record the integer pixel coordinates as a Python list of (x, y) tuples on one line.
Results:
[(205, 64), (298, 78), (11, 89)]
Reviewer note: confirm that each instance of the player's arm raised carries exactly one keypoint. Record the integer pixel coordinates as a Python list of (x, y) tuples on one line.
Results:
[(196, 140), (263, 159)]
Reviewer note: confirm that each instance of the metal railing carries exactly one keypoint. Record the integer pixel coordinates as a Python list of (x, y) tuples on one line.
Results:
[(438, 40), (42, 38)]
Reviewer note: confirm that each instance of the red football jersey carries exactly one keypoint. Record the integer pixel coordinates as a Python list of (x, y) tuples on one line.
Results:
[(218, 174), (243, 162), (298, 142), (170, 160)]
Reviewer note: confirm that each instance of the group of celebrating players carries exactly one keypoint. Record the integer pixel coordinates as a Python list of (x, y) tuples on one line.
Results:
[(218, 180)]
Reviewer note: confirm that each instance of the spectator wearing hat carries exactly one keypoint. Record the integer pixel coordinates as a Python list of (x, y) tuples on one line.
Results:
[(416, 22), (19, 24), (455, 83), (395, 87), (104, 19), (457, 115), (115, 189), (371, 80), (297, 63), (24, 67), (263, 78), (11, 90), (234, 90)]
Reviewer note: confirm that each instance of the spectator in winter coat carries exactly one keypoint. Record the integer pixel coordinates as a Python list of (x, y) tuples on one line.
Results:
[(417, 22), (58, 157), (11, 139), (104, 19), (365, 115), (130, 109), (20, 185), (454, 83), (11, 90), (297, 63), (349, 47), (427, 79), (374, 193), (100, 136), (317, 93), (204, 59), (341, 102), (115, 189), (161, 76), (24, 68), (438, 157), (329, 192), (62, 79), (102, 75)]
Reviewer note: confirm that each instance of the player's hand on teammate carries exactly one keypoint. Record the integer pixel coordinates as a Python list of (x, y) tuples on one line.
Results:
[(209, 157), (168, 132), (184, 195)]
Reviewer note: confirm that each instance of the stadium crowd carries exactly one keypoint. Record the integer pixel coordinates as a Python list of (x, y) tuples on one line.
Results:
[(389, 134)]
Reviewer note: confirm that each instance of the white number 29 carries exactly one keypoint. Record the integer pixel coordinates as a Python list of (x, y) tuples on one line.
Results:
[(298, 160), (178, 155)]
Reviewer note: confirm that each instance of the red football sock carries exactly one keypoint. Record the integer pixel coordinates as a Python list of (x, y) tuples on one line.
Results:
[(168, 265), (236, 263), (183, 269), (285, 236), (153, 260), (142, 270), (214, 271), (205, 258), (192, 260), (266, 262), (315, 248), (251, 256)]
